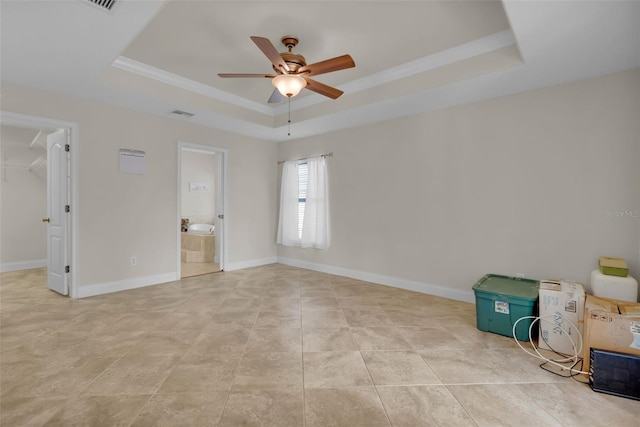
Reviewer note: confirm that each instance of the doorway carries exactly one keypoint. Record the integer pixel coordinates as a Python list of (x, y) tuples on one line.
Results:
[(201, 196), (55, 143)]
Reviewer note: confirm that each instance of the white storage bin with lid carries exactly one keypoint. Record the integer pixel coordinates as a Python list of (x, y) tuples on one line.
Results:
[(615, 287)]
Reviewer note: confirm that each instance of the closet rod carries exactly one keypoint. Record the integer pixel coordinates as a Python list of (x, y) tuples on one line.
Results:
[(307, 158)]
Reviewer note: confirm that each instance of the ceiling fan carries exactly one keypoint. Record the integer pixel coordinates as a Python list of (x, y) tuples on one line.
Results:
[(292, 72)]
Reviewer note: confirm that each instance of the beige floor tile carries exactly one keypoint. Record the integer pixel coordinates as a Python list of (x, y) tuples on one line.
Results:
[(29, 411), (434, 338), (263, 408), (20, 322), (163, 303), (197, 304), (185, 409), (319, 303), (335, 369), (426, 406), (242, 319), (269, 371), (99, 411), (242, 332), (403, 367), (287, 304), (483, 365), (368, 317), (341, 407), (72, 376), (313, 292), (477, 338), (379, 338), (137, 321), (275, 340), (11, 340), (109, 344), (190, 269), (409, 317), (132, 374), (215, 339), (278, 319), (166, 343), (240, 304), (48, 344), (15, 371), (328, 339), (201, 373), (178, 321), (281, 292), (502, 404), (323, 319), (575, 404), (358, 302)]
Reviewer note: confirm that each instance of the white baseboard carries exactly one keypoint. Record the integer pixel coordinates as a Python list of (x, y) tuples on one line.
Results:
[(23, 265), (123, 285), (250, 263), (425, 288)]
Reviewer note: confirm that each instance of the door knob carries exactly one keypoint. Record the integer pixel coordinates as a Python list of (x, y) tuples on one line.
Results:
[(46, 219)]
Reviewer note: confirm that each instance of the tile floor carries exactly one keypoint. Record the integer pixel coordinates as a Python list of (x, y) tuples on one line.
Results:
[(272, 346), (190, 269)]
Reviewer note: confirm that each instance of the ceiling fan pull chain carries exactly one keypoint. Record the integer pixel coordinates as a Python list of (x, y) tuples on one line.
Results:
[(289, 121)]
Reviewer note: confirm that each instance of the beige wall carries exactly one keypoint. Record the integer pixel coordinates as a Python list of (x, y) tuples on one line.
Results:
[(519, 184), (197, 167), (23, 200), (123, 215)]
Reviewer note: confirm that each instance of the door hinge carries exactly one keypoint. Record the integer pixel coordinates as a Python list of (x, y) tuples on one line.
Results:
[(221, 216), (67, 208), (67, 147), (67, 269)]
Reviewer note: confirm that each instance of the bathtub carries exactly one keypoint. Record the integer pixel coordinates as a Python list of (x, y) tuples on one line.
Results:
[(201, 228), (198, 243)]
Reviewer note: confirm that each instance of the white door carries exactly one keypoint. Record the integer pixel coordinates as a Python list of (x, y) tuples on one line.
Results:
[(57, 217)]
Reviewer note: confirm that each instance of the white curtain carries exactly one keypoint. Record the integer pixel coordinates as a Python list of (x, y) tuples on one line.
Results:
[(315, 226), (288, 224)]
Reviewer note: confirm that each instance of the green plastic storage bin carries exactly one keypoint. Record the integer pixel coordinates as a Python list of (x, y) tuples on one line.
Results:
[(502, 300)]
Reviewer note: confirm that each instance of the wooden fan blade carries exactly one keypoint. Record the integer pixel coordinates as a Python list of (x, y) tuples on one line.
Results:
[(265, 45), (323, 89), (276, 97), (329, 65), (228, 75)]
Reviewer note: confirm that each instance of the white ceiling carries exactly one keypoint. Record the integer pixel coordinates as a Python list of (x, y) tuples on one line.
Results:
[(411, 56)]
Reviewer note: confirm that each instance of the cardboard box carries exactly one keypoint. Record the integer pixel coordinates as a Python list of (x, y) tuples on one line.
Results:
[(613, 266), (561, 315), (606, 329)]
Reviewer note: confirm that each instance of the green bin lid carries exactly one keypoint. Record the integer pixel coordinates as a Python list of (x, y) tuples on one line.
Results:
[(505, 285)]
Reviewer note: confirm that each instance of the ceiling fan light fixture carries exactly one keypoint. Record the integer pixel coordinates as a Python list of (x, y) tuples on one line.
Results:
[(289, 85)]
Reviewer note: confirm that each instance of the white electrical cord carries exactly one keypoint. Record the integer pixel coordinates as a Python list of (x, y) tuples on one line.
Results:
[(538, 355)]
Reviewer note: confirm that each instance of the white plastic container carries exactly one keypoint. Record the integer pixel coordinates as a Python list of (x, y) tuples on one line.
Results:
[(615, 287)]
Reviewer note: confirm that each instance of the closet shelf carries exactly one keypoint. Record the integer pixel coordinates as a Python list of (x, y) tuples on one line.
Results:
[(38, 163)]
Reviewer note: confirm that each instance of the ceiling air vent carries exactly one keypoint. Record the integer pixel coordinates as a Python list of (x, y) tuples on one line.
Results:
[(104, 4), (182, 113)]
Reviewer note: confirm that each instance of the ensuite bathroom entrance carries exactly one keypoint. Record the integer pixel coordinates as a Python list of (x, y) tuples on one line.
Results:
[(201, 209)]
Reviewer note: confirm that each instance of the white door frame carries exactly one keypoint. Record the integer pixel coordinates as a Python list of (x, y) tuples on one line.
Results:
[(35, 122), (221, 200)]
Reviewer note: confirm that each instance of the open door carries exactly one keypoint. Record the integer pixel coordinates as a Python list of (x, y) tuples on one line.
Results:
[(57, 211), (201, 173)]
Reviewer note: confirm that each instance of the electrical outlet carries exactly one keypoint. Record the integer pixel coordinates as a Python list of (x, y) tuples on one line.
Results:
[(134, 261)]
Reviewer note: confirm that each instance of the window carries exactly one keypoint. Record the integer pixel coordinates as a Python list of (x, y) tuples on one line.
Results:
[(304, 205), (303, 181)]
